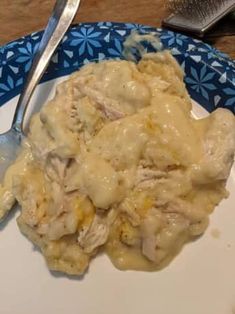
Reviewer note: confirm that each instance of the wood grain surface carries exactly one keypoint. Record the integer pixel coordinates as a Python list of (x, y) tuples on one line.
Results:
[(21, 17)]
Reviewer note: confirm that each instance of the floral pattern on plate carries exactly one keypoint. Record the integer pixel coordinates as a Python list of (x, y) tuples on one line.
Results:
[(210, 74)]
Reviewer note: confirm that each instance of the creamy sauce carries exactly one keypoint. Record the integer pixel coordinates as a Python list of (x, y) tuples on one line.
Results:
[(100, 181), (117, 162), (121, 142)]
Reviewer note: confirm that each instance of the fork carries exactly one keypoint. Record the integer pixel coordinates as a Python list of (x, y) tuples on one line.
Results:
[(59, 22)]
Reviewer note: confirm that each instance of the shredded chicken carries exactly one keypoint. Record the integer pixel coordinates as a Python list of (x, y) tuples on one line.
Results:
[(116, 162), (95, 235)]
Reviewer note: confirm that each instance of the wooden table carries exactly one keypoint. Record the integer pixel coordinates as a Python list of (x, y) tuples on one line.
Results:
[(20, 17)]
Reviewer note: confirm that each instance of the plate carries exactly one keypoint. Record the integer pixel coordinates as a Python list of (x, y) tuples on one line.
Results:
[(201, 279)]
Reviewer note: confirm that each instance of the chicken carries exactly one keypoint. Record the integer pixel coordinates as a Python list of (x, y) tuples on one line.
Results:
[(96, 234), (116, 162)]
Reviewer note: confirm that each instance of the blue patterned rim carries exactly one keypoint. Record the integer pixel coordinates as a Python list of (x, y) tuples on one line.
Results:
[(210, 74)]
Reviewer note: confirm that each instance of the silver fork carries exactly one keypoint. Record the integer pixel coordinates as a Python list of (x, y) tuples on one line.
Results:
[(59, 22)]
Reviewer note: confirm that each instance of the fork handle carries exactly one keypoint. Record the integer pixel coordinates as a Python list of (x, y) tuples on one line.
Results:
[(59, 22)]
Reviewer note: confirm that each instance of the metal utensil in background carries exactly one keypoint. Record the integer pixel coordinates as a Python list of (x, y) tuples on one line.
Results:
[(197, 16), (59, 22), (225, 27)]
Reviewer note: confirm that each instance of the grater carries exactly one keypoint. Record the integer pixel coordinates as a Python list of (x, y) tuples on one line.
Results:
[(197, 16)]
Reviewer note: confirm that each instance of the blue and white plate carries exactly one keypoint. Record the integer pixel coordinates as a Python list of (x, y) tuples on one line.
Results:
[(201, 280), (210, 74)]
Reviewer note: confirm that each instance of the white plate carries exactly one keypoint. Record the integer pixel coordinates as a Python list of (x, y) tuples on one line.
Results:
[(200, 280)]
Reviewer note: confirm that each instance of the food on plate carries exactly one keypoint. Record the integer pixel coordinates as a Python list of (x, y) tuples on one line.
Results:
[(116, 162)]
